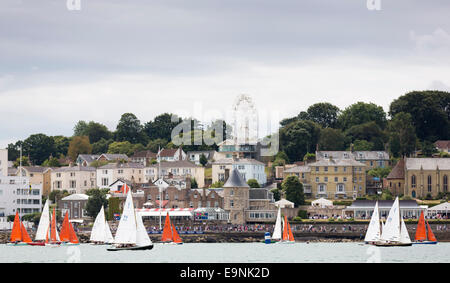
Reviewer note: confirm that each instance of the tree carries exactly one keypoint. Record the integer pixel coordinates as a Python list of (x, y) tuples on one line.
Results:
[(80, 128), (155, 145), (130, 129), (194, 184), (25, 161), (430, 113), (61, 145), (428, 148), (276, 194), (124, 147), (380, 172), (324, 114), (217, 184), (361, 113), (362, 145), (253, 183), (203, 160), (331, 139), (95, 132), (51, 162), (38, 147), (369, 132), (79, 145), (293, 189), (101, 146), (161, 127), (299, 138), (97, 199), (402, 135), (56, 195)]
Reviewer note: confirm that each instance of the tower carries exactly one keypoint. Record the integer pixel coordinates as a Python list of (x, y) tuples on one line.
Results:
[(236, 197)]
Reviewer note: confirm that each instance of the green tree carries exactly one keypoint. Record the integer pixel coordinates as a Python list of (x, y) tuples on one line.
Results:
[(38, 147), (61, 145), (402, 136), (80, 128), (56, 195), (97, 199), (361, 113), (293, 189), (130, 129), (253, 183), (428, 148), (25, 161), (124, 147), (380, 172), (217, 184), (161, 127), (203, 160), (101, 146), (79, 145), (309, 157), (95, 131), (51, 162), (155, 145), (430, 113), (363, 145), (194, 184), (324, 114), (331, 139), (369, 132), (299, 138)]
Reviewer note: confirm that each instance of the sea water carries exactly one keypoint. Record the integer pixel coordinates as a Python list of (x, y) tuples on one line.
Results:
[(231, 253)]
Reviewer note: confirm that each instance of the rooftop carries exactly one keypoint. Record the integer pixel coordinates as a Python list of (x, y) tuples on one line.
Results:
[(235, 180), (398, 172), (427, 163), (237, 161)]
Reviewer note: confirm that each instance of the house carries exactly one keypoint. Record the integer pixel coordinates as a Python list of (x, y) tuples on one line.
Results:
[(443, 145), (248, 168), (372, 159), (109, 173), (173, 154), (86, 159), (74, 205), (396, 179), (75, 179), (38, 175), (112, 157), (194, 156), (144, 157), (181, 168)]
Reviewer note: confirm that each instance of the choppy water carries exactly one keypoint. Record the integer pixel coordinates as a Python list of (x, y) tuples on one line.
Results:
[(232, 253)]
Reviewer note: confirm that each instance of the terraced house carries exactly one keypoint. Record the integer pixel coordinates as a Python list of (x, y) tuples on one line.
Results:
[(75, 179), (109, 173), (179, 169)]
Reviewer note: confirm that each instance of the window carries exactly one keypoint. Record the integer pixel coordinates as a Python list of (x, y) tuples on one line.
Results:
[(335, 169), (322, 188), (232, 193), (73, 184), (105, 181), (326, 179), (325, 169), (317, 168), (317, 179), (231, 203), (120, 171), (85, 183), (58, 175), (336, 179), (340, 188), (429, 183), (413, 181), (345, 169), (345, 179), (445, 183)]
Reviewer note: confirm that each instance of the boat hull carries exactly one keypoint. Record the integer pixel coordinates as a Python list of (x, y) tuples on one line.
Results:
[(16, 244), (149, 247), (41, 244), (425, 243), (392, 244)]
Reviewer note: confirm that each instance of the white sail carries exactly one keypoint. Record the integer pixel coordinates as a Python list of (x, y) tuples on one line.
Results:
[(277, 230), (142, 238), (373, 231), (391, 231), (44, 224), (404, 235), (126, 231), (98, 233), (109, 236)]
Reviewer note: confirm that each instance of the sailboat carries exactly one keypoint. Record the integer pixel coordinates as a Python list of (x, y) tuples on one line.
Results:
[(68, 235), (52, 237), (288, 237), (131, 233), (277, 231), (374, 230), (19, 235), (394, 232), (101, 233), (170, 234), (42, 230), (422, 237)]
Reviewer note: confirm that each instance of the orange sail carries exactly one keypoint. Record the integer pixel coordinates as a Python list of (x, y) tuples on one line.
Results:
[(53, 228), (65, 233), (72, 235), (167, 232), (291, 236), (431, 236), (176, 236), (25, 237), (16, 233), (285, 230), (421, 233)]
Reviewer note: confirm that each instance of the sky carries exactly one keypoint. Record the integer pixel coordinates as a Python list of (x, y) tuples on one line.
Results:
[(193, 58)]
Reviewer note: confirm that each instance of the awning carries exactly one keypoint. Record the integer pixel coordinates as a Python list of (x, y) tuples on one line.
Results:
[(164, 211), (76, 220)]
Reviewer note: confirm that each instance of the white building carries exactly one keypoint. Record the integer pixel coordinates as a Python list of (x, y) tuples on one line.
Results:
[(107, 174), (16, 195), (248, 168), (3, 162)]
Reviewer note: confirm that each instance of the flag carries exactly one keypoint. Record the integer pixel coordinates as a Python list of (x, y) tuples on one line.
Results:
[(30, 189)]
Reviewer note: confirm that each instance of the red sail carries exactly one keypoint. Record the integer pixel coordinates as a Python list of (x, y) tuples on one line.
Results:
[(53, 228), (291, 236), (72, 235), (167, 232), (421, 233), (65, 235), (25, 237), (16, 233), (431, 236), (285, 230), (176, 237)]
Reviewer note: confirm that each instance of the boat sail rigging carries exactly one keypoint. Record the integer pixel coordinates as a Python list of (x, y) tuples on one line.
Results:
[(422, 237), (131, 233), (170, 234), (394, 231), (101, 233), (19, 235), (374, 230), (68, 235)]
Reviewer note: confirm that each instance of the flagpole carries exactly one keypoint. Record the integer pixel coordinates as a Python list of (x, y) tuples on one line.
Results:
[(20, 181), (159, 186)]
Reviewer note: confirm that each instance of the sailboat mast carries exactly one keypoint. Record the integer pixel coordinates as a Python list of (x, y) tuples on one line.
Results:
[(159, 185), (20, 180)]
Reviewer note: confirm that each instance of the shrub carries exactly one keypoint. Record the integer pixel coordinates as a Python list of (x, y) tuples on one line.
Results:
[(302, 214), (297, 219)]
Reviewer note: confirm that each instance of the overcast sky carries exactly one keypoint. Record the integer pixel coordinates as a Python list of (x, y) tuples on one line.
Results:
[(59, 66)]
